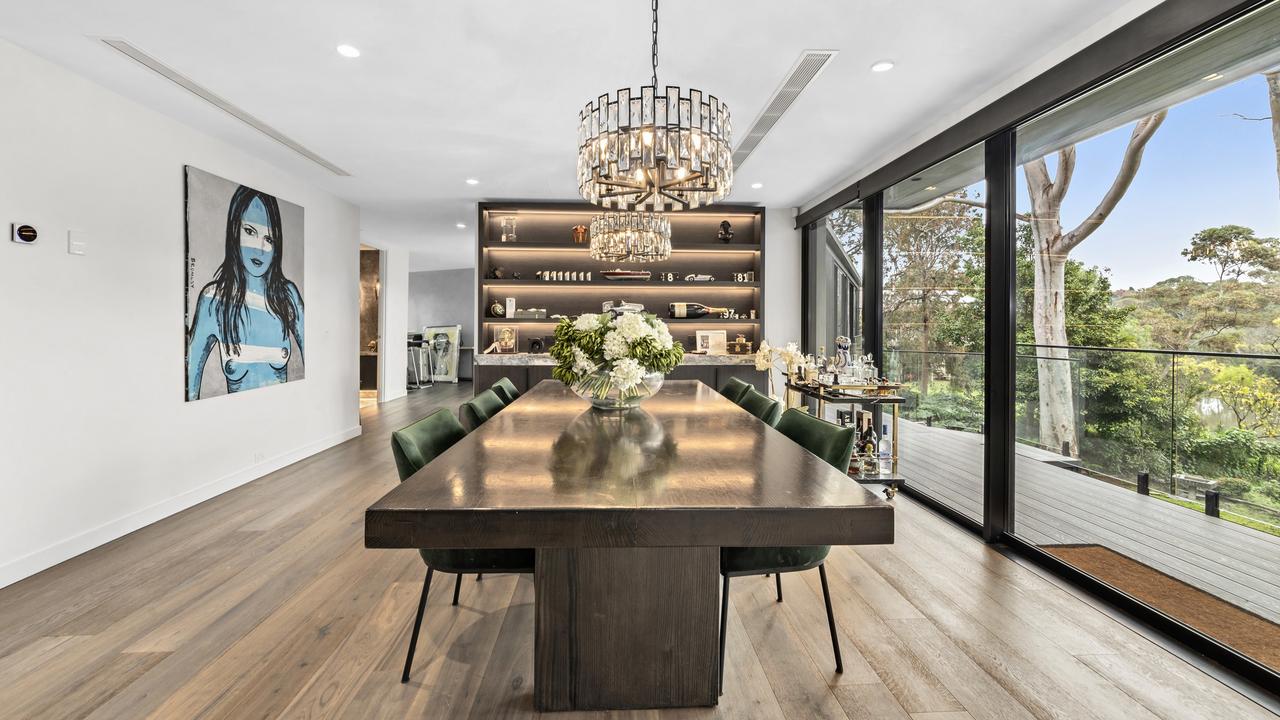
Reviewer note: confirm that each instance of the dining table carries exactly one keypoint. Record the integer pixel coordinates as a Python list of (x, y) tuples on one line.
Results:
[(627, 511)]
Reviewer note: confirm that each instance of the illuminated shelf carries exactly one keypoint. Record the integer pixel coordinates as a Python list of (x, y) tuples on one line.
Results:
[(669, 321), (676, 247), (620, 284)]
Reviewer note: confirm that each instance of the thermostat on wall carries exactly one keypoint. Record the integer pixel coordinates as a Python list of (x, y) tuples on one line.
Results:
[(24, 234)]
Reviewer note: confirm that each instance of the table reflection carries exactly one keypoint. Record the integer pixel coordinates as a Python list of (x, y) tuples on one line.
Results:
[(617, 453)]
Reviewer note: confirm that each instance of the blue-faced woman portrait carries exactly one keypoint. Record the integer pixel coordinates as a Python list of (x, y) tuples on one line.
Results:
[(244, 299)]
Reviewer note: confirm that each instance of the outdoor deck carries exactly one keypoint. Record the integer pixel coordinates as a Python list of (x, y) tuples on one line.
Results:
[(1057, 506)]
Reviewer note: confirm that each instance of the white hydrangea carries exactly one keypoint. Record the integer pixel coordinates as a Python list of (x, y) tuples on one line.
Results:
[(664, 336), (586, 322), (615, 345), (582, 363), (633, 326), (626, 373)]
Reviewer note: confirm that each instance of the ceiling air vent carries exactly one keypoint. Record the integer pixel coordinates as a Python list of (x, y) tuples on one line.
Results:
[(802, 73), (226, 106)]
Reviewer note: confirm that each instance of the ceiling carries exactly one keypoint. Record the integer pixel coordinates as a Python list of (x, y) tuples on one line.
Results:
[(446, 91)]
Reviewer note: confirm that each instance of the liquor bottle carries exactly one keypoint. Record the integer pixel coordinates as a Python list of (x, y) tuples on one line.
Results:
[(884, 456), (693, 310)]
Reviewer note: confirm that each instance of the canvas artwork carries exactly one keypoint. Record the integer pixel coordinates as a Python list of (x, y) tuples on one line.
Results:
[(442, 348), (244, 288)]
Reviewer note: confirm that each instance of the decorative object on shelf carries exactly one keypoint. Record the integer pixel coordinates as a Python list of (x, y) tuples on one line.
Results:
[(625, 274), (712, 342), (630, 237), (699, 278), (752, 314), (579, 234), (655, 152), (497, 309), (535, 345), (500, 273), (744, 276), (740, 345), (614, 359), (530, 314), (505, 338), (511, 307), (667, 277), (726, 232), (508, 229), (694, 310)]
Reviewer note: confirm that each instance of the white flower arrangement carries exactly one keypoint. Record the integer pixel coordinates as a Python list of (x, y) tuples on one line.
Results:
[(602, 352), (768, 356)]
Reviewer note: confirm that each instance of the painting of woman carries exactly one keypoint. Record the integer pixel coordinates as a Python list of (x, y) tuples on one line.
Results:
[(250, 313)]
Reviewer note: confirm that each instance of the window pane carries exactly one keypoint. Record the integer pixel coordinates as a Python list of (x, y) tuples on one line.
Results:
[(934, 243), (1148, 413)]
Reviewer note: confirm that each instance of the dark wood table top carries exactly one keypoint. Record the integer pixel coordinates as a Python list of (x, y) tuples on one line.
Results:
[(689, 468)]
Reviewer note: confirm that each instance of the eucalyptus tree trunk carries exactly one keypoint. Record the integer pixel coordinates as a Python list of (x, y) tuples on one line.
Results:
[(1052, 248), (1273, 93)]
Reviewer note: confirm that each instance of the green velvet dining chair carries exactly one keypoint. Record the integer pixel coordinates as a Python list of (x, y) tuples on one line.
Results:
[(414, 447), (761, 405), (832, 443), (505, 390), (477, 411), (734, 388)]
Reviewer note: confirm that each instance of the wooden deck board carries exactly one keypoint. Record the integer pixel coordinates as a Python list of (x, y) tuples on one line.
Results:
[(1054, 505)]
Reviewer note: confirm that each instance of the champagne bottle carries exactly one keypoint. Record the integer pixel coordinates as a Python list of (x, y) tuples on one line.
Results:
[(693, 310)]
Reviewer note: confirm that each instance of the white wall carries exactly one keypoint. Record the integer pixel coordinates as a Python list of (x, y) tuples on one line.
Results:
[(95, 437), (395, 324), (782, 280)]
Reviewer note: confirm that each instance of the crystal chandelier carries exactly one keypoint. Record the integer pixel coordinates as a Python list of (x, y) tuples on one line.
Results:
[(654, 151), (630, 237)]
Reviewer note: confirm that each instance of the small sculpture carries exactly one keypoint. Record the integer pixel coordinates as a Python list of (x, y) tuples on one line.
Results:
[(726, 232), (579, 234)]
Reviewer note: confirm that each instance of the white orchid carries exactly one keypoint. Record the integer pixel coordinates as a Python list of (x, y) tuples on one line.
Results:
[(616, 346), (586, 322), (582, 363)]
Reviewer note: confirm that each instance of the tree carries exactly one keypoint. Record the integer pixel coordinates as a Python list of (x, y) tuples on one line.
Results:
[(1053, 245), (1273, 95), (1234, 251), (1183, 313)]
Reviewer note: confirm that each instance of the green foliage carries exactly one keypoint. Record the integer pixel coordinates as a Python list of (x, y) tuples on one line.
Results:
[(646, 350), (1234, 487), (1232, 453), (1234, 251)]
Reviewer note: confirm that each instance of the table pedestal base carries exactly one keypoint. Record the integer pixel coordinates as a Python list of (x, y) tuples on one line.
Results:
[(626, 628)]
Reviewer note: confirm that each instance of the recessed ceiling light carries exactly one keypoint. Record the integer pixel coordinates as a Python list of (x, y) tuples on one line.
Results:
[(932, 187), (756, 186), (462, 226), (350, 51), (882, 66), (472, 181), (1212, 76)]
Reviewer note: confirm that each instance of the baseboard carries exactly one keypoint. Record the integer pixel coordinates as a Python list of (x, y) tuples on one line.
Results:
[(45, 558)]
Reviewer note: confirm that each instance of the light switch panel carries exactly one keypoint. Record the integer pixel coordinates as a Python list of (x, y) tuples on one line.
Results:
[(77, 242)]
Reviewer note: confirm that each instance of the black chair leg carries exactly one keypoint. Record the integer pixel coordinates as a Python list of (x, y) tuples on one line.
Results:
[(831, 618), (417, 625), (778, 577), (479, 576), (457, 585)]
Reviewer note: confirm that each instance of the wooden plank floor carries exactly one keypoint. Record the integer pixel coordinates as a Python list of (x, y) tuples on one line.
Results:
[(263, 603), (1054, 505)]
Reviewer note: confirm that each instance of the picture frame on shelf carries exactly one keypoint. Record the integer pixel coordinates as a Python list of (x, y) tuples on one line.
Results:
[(506, 338), (712, 342)]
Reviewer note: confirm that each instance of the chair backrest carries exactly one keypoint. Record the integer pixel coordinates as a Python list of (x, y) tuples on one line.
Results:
[(505, 390), (421, 442), (476, 411), (760, 405), (826, 440), (734, 389)]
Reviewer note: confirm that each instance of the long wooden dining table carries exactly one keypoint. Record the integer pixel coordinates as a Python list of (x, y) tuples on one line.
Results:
[(627, 511)]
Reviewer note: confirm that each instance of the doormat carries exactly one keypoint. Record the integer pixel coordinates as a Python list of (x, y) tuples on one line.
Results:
[(1229, 624)]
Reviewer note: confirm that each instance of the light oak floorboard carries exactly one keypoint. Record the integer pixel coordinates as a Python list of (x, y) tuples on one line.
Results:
[(262, 603)]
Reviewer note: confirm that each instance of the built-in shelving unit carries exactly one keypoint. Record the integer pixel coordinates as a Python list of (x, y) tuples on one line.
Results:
[(544, 242)]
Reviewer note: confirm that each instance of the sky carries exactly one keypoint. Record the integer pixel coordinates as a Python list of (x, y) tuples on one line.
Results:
[(1203, 168)]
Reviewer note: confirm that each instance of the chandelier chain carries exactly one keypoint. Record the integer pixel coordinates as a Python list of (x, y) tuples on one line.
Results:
[(654, 49)]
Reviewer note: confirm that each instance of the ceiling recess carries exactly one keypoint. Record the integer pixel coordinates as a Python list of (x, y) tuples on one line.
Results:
[(805, 71), (191, 86)]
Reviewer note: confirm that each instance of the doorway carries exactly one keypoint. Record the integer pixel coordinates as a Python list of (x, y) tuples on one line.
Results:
[(370, 325)]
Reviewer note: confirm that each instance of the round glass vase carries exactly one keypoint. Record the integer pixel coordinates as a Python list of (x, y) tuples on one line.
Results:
[(603, 394)]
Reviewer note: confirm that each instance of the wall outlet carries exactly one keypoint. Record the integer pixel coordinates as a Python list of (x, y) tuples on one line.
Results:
[(77, 242), (23, 234)]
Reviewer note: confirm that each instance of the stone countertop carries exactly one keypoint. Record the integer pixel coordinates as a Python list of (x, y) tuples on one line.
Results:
[(519, 359)]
